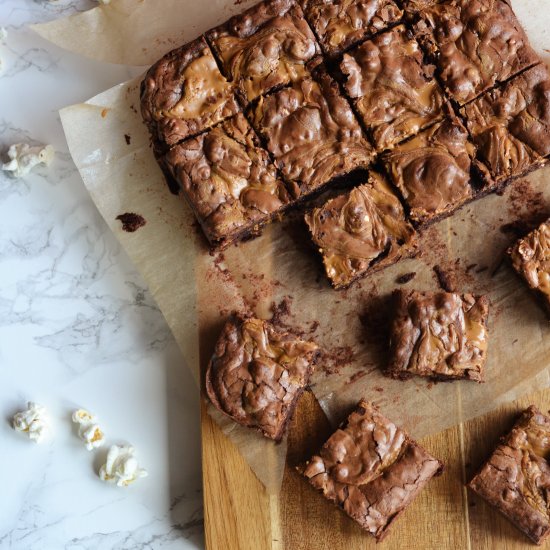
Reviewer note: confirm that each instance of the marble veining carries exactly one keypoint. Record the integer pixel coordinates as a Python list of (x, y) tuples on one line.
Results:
[(78, 328)]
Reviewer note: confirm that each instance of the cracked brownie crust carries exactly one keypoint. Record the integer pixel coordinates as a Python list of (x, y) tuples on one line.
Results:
[(476, 44), (432, 170), (531, 259), (265, 47), (439, 335), (371, 469), (362, 229), (228, 180), (312, 133), (184, 94), (393, 89), (341, 23), (511, 125), (257, 374), (516, 478)]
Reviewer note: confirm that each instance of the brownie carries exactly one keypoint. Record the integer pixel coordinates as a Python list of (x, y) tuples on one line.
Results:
[(511, 125), (257, 374), (475, 43), (531, 259), (360, 231), (433, 170), (184, 94), (228, 180), (265, 47), (516, 478), (342, 23), (439, 335), (392, 87), (371, 469), (312, 133)]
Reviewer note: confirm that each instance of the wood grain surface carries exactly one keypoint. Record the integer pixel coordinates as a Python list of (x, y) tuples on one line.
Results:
[(240, 515)]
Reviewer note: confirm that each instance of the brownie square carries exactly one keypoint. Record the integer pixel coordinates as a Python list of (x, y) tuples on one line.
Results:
[(516, 478), (392, 87), (184, 94), (432, 170), (257, 374), (265, 47), (511, 125), (360, 231), (312, 133), (371, 469), (439, 335), (476, 44), (342, 23), (228, 180), (531, 259)]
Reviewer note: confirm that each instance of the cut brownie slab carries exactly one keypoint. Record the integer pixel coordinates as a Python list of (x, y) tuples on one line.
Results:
[(341, 23), (516, 478), (371, 469), (184, 94), (393, 89), (360, 231), (476, 44), (432, 170), (228, 180), (265, 47), (511, 125), (531, 259), (311, 131), (257, 374), (440, 335)]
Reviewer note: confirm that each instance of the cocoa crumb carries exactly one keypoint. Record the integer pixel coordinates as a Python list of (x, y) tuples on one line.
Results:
[(405, 278), (378, 389), (331, 361), (131, 222), (281, 311), (128, 138), (444, 279)]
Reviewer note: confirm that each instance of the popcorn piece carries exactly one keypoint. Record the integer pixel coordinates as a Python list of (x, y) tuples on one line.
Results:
[(121, 467), (88, 430), (33, 422), (23, 158)]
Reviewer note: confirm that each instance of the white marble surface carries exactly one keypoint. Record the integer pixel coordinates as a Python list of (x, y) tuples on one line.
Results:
[(79, 328)]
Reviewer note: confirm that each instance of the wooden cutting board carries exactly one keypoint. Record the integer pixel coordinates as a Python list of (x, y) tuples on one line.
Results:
[(240, 515)]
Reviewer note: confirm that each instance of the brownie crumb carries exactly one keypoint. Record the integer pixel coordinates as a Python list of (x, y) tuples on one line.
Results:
[(131, 222), (331, 361), (281, 311), (404, 279), (444, 279), (128, 138)]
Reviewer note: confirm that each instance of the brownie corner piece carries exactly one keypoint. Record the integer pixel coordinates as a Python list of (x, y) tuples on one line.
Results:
[(184, 93), (371, 469), (265, 47), (342, 23), (257, 374), (360, 231), (228, 180), (433, 170), (438, 335), (516, 478), (510, 125), (530, 257), (311, 132), (476, 44), (392, 86)]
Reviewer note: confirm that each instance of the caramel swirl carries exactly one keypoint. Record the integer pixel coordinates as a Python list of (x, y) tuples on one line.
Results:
[(265, 47), (393, 88), (358, 227), (227, 179), (185, 93), (311, 131), (341, 23)]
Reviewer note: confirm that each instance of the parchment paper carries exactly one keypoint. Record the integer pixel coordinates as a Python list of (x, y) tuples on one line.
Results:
[(196, 290)]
